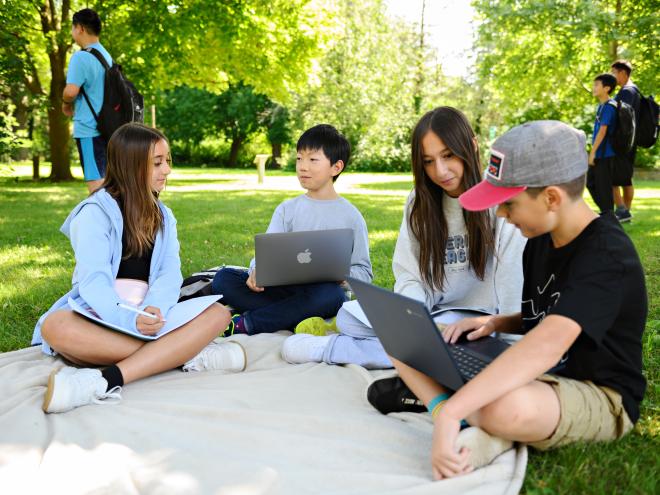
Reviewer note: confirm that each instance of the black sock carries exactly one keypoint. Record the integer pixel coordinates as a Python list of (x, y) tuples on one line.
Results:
[(113, 376)]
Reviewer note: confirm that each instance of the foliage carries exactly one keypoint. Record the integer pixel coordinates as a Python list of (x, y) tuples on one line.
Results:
[(209, 43), (537, 59), (189, 116), (365, 86)]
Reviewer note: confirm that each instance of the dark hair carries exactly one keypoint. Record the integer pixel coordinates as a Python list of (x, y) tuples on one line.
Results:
[(427, 220), (607, 80), (623, 65), (128, 180), (574, 188), (88, 19), (326, 138)]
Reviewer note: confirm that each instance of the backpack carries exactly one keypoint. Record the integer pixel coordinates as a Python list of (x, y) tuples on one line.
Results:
[(622, 137), (647, 124), (122, 103), (199, 283)]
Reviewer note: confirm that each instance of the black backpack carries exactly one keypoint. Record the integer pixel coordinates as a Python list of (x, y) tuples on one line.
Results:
[(199, 283), (122, 103), (622, 137), (647, 124)]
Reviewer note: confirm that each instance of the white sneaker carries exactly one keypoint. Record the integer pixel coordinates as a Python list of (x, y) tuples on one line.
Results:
[(304, 348), (70, 387), (226, 356)]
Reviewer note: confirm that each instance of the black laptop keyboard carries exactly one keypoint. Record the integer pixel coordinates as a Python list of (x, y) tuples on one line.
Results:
[(467, 364)]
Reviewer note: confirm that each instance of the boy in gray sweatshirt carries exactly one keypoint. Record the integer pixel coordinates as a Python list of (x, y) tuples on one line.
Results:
[(322, 154)]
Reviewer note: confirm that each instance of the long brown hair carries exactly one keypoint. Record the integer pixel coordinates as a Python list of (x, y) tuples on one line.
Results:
[(128, 180), (427, 221)]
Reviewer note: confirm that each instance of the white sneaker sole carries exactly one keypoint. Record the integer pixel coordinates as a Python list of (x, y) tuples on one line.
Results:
[(49, 391)]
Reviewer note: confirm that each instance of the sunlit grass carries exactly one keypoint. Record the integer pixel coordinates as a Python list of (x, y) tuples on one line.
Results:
[(217, 226)]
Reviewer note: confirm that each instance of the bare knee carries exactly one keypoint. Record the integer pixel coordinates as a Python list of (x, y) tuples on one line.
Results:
[(56, 329), (215, 319), (513, 412)]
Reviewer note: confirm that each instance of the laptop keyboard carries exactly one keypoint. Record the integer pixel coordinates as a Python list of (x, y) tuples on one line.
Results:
[(467, 364)]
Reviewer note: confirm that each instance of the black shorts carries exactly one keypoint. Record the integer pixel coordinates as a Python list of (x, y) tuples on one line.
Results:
[(92, 152), (622, 169)]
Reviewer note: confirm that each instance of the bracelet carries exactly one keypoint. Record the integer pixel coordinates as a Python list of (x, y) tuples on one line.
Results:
[(437, 401)]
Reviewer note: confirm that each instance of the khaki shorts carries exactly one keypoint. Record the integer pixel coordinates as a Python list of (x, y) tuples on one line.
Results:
[(588, 413)]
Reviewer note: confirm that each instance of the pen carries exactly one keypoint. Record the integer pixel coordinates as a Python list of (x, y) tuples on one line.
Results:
[(135, 310)]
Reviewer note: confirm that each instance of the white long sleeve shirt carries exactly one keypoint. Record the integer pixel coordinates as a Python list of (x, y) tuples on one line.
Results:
[(499, 292)]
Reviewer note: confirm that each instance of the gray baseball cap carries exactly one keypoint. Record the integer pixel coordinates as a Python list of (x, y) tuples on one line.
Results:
[(535, 154)]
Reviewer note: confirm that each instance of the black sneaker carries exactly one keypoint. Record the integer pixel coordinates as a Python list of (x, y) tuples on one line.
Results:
[(392, 395), (623, 215)]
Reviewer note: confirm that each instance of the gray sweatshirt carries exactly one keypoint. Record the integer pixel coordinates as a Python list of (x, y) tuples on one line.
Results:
[(499, 292), (304, 213)]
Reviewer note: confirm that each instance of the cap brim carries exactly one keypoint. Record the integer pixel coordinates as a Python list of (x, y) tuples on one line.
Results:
[(485, 195)]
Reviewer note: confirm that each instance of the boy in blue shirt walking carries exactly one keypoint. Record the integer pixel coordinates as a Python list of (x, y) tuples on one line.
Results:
[(85, 71), (601, 158)]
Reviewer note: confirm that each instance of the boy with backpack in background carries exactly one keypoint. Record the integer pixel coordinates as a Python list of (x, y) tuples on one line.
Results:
[(85, 70), (97, 96), (646, 134), (602, 156), (622, 172)]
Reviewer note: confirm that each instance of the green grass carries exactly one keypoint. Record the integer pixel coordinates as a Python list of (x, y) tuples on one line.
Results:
[(218, 216)]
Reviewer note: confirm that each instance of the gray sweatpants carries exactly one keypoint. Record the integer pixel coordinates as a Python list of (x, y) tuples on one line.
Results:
[(355, 344)]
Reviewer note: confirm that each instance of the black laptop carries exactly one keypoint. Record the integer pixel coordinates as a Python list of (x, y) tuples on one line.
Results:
[(409, 334)]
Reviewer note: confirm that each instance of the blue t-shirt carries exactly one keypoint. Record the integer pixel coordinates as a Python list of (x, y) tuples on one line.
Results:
[(605, 115), (86, 71)]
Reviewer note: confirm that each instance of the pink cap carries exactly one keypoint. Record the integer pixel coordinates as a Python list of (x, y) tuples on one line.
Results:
[(485, 195)]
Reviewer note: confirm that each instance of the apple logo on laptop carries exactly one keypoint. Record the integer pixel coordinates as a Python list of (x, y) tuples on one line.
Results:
[(305, 257)]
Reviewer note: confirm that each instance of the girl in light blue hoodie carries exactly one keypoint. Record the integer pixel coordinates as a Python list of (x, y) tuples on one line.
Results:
[(127, 254)]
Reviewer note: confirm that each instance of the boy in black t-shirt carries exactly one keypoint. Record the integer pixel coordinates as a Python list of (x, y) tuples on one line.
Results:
[(583, 311)]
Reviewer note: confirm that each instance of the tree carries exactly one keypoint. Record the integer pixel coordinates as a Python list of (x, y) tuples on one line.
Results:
[(368, 86), (201, 43), (537, 59), (43, 27), (278, 131), (188, 115), (241, 112)]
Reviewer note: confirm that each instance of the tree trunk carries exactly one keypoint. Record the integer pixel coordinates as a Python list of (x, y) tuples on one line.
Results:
[(613, 47), (276, 152), (35, 154), (236, 144), (59, 132), (57, 37)]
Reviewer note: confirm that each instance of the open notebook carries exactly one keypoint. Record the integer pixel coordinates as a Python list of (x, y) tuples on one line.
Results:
[(442, 317), (178, 316)]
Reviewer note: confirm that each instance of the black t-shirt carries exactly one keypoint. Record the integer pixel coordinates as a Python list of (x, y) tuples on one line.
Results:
[(597, 281), (135, 267)]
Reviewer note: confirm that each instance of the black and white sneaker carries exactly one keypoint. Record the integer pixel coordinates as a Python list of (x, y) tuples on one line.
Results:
[(390, 395), (623, 215)]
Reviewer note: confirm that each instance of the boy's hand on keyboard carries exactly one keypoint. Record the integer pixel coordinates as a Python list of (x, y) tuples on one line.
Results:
[(479, 326)]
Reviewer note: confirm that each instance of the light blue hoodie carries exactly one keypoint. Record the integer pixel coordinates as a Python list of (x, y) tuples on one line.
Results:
[(95, 229)]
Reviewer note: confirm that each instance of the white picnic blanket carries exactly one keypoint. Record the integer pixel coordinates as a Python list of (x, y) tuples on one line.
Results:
[(274, 429)]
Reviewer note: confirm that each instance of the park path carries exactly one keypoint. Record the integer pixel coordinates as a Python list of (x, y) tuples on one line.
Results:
[(357, 183)]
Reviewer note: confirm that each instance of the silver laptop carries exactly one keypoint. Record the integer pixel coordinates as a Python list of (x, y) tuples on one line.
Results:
[(303, 257)]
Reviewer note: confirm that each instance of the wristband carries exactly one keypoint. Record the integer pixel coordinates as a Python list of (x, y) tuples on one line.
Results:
[(437, 401)]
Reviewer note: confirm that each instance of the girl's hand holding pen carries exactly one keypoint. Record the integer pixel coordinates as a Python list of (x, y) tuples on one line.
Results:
[(148, 325), (149, 321)]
